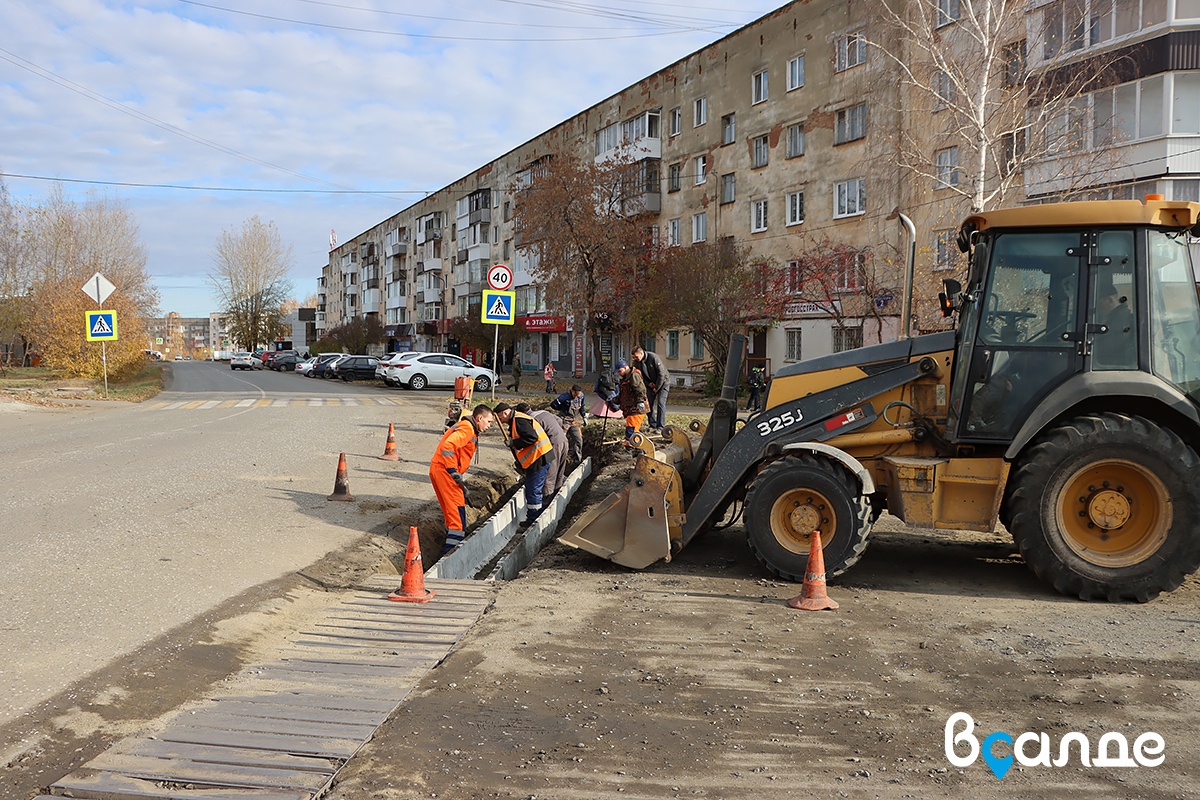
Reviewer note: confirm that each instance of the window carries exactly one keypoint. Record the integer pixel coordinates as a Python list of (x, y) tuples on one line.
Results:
[(701, 166), (1012, 150), (699, 227), (945, 250), (847, 339), (673, 233), (851, 51), (850, 197), (758, 216), (728, 128), (507, 211), (795, 140), (849, 279), (675, 121), (794, 278), (672, 344), (761, 151), (1014, 64), (699, 112), (792, 350), (646, 340), (728, 188), (850, 124), (944, 91), (697, 346), (947, 12), (947, 168), (795, 75), (759, 90), (795, 208), (673, 173)]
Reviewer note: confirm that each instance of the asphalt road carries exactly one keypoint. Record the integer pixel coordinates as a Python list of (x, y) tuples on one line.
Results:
[(123, 521)]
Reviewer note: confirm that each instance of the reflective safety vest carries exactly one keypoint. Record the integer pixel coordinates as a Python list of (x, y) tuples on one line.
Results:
[(530, 453)]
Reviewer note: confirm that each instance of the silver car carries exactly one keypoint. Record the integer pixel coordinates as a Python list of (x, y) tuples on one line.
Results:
[(242, 360)]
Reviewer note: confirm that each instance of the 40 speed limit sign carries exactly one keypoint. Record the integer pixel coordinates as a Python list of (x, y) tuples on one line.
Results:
[(500, 277)]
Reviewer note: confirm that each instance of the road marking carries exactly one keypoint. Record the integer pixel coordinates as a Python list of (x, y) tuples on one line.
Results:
[(266, 401), (209, 404), (191, 405), (245, 403), (227, 404), (272, 402)]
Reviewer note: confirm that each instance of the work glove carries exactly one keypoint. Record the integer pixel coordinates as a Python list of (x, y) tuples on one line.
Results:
[(459, 479), (612, 406), (585, 418), (641, 407)]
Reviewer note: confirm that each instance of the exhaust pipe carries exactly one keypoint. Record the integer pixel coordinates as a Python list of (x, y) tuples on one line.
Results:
[(906, 323)]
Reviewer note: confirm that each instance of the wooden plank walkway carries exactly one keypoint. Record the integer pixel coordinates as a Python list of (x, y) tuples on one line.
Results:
[(294, 721)]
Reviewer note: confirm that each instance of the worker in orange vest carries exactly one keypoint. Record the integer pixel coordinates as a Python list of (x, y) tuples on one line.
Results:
[(531, 447), (447, 469)]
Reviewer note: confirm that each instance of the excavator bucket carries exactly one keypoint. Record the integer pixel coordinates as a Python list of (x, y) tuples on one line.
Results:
[(635, 526)]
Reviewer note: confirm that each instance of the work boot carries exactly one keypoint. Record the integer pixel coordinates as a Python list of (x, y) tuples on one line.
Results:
[(453, 540)]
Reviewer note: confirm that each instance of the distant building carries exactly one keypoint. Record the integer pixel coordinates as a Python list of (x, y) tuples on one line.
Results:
[(174, 335)]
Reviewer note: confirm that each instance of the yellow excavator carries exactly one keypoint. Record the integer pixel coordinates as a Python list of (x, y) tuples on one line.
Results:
[(1064, 404)]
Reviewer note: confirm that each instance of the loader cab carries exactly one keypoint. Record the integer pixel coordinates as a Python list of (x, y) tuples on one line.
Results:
[(1046, 302)]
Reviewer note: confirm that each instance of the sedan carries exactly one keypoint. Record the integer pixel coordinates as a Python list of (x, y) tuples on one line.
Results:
[(439, 369), (392, 360), (324, 360), (352, 368), (283, 361), (241, 361), (305, 367)]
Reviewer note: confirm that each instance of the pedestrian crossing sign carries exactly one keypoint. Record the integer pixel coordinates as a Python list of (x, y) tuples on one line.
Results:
[(101, 326), (498, 307)]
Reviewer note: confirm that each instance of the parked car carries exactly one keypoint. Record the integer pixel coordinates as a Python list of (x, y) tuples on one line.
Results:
[(326, 370), (392, 359), (439, 369), (323, 359), (352, 368), (258, 356), (305, 367), (286, 360), (242, 360)]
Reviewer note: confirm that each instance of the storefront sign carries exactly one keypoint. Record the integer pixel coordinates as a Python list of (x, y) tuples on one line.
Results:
[(798, 308), (544, 324)]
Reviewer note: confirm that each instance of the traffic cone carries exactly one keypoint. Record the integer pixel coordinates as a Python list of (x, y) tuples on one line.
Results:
[(412, 585), (813, 597), (341, 485), (389, 449)]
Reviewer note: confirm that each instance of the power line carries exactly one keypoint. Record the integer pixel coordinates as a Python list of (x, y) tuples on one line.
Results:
[(135, 185)]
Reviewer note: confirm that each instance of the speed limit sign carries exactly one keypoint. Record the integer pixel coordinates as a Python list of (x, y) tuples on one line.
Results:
[(500, 277)]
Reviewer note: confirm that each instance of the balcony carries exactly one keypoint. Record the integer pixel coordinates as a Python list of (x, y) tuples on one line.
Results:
[(431, 296), (461, 256), (480, 215), (429, 265), (648, 203), (398, 249), (371, 300), (399, 275), (371, 283)]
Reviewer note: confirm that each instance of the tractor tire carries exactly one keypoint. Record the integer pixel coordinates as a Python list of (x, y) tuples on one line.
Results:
[(795, 496), (1102, 507)]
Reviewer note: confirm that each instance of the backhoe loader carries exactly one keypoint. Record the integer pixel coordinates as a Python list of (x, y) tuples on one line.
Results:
[(1065, 404)]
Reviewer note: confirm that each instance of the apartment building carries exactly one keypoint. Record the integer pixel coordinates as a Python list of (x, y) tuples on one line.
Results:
[(790, 131)]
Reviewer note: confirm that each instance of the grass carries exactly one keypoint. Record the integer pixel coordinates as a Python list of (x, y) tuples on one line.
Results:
[(42, 382)]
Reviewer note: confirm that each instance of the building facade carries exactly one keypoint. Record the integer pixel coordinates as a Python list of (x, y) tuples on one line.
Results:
[(786, 133)]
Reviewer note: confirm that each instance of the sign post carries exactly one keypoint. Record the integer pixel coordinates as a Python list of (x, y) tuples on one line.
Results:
[(101, 325), (500, 278)]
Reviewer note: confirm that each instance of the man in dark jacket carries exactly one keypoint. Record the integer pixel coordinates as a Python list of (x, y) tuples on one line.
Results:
[(531, 448), (658, 385), (569, 407), (631, 397)]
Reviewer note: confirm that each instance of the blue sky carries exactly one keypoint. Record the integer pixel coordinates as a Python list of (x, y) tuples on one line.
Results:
[(372, 103)]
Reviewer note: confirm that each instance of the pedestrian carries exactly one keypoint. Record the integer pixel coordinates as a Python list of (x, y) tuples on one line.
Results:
[(631, 397), (553, 425), (569, 407), (757, 382), (658, 385), (516, 374), (531, 447), (548, 374), (448, 467)]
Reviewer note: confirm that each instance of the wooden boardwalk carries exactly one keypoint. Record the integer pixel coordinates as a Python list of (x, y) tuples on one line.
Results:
[(294, 721)]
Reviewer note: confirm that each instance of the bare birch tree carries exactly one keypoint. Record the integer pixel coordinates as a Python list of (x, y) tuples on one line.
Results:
[(977, 117), (250, 278)]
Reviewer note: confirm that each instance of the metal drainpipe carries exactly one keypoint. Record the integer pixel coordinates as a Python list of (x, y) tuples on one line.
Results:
[(906, 323)]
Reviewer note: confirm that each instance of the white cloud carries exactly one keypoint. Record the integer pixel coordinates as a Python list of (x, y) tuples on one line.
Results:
[(345, 109)]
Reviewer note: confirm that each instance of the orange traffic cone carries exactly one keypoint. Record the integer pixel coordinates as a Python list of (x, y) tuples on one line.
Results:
[(813, 597), (412, 585), (341, 485), (389, 449)]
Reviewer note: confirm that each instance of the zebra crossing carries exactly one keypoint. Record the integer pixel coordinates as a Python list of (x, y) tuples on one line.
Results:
[(267, 402)]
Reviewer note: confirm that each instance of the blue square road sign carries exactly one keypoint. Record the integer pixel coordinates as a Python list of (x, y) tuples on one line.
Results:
[(101, 326)]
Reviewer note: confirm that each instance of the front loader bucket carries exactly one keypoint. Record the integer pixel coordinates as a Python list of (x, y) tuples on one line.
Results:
[(633, 527)]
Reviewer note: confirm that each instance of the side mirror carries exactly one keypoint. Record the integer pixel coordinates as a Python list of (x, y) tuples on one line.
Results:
[(950, 299)]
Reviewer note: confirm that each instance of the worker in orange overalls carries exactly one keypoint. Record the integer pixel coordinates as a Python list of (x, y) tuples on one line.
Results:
[(531, 447), (631, 397), (451, 458)]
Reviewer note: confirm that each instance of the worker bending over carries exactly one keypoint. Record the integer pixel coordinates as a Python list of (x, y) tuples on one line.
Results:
[(531, 447), (447, 470)]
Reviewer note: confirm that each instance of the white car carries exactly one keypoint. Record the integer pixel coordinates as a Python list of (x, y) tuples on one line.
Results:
[(392, 360), (304, 367), (438, 369), (241, 360)]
